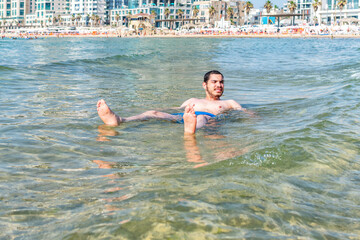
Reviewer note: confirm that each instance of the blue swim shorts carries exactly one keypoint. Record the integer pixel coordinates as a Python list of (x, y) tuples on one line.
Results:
[(197, 113)]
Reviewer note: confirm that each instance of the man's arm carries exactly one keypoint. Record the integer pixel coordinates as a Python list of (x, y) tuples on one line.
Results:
[(182, 105), (187, 102), (237, 106)]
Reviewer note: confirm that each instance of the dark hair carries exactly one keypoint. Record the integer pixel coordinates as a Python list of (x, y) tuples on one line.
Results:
[(207, 75)]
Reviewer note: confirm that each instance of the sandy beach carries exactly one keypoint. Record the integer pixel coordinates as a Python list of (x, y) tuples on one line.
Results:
[(177, 35)]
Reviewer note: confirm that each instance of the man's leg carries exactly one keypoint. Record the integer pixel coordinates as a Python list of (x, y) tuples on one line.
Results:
[(193, 122), (110, 118), (190, 120)]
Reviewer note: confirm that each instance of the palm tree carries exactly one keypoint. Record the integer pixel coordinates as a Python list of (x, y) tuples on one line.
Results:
[(230, 13), (87, 19), (59, 19), (73, 18), (248, 7), (212, 12), (97, 20), (92, 20), (292, 7), (268, 7), (166, 14), (128, 19), (341, 4), (117, 18), (180, 13), (316, 6), (153, 15), (195, 12), (78, 17), (54, 20), (172, 22)]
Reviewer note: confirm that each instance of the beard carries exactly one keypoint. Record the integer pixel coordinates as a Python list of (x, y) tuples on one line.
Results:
[(214, 94)]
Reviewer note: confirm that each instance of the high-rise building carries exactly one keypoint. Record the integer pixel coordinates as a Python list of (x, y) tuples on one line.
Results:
[(221, 10), (48, 12), (93, 10), (330, 12), (166, 12), (12, 12)]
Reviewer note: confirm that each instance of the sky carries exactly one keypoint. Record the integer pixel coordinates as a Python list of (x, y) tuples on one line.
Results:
[(260, 3)]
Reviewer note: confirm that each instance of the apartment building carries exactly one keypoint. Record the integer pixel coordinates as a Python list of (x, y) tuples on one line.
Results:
[(165, 12), (88, 8), (48, 13), (221, 11), (331, 14), (13, 12)]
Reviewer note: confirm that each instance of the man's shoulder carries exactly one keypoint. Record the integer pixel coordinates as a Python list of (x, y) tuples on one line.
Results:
[(232, 104), (190, 101)]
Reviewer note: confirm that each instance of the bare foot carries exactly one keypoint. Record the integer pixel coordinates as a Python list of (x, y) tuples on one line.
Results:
[(189, 120), (106, 115), (104, 164)]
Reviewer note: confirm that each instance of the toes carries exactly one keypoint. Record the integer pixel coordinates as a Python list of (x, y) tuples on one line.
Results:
[(100, 103), (190, 109)]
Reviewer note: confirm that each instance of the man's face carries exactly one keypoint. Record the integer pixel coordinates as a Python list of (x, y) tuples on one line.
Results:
[(215, 86)]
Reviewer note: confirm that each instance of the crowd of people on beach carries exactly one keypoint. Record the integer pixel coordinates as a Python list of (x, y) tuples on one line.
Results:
[(247, 31)]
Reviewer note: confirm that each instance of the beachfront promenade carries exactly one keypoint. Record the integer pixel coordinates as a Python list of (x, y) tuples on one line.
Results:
[(249, 32)]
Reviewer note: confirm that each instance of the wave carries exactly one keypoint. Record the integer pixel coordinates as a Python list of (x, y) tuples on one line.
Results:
[(100, 60)]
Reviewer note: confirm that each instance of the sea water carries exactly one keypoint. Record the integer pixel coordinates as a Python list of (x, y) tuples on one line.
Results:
[(289, 172)]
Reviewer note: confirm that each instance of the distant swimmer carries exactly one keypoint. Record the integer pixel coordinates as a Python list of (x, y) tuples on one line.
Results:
[(197, 111)]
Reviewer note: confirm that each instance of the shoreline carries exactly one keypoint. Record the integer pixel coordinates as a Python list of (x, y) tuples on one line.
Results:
[(42, 36)]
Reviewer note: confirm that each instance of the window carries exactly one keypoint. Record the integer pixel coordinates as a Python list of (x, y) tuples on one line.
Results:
[(329, 4), (356, 4), (21, 12), (21, 4)]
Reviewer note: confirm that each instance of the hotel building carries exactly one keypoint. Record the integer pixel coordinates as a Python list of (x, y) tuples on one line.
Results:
[(13, 12), (44, 13), (221, 8), (49, 12), (88, 8), (173, 20), (330, 13)]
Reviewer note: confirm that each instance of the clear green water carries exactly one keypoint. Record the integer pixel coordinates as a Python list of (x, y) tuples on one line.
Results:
[(291, 173)]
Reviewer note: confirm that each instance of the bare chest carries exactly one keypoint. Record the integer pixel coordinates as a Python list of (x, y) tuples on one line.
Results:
[(214, 107)]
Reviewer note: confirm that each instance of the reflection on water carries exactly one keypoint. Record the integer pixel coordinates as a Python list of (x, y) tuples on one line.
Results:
[(290, 172)]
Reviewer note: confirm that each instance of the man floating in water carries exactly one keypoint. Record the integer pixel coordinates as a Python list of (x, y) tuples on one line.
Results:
[(197, 111)]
